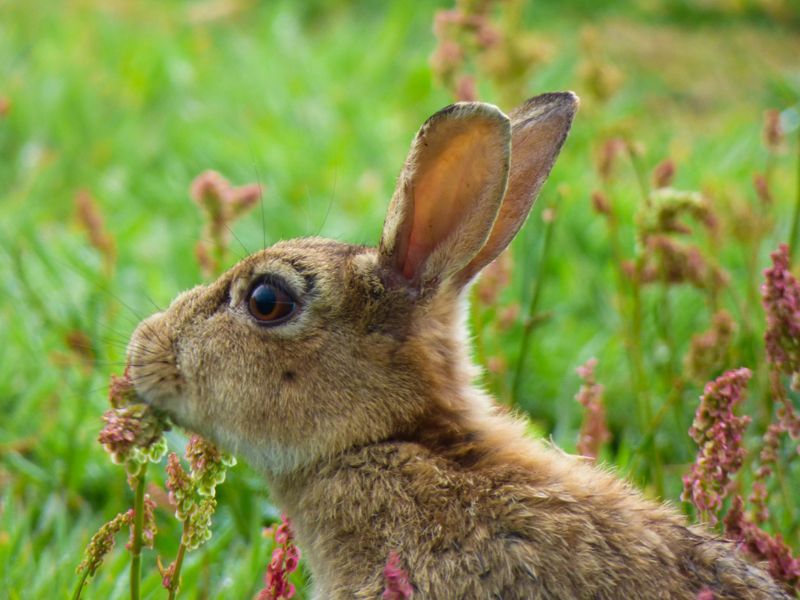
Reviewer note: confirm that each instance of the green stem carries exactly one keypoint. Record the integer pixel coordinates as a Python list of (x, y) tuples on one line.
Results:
[(635, 342), (640, 377), (673, 368), (638, 169), (531, 321), (616, 250), (138, 527), (78, 590), (778, 393), (796, 217), (176, 575), (753, 304), (787, 495), (632, 338), (632, 329), (674, 395)]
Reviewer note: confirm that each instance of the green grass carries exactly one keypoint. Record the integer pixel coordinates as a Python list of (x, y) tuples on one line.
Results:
[(319, 101)]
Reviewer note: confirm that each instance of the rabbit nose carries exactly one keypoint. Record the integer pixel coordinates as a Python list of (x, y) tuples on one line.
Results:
[(147, 334), (152, 362)]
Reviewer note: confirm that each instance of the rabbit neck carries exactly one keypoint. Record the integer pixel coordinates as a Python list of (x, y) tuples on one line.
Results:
[(338, 497), (355, 504), (351, 510)]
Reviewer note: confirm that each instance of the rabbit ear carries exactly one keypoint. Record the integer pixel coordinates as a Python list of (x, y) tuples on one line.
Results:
[(538, 130), (448, 194)]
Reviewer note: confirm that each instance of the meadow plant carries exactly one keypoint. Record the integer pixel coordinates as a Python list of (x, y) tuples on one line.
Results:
[(193, 496), (103, 542), (663, 174), (461, 30), (133, 436), (772, 134), (607, 158), (664, 210), (664, 256), (601, 78), (221, 205), (781, 301), (532, 317), (397, 586), (92, 221), (133, 432), (719, 433), (761, 186), (594, 431), (708, 350), (600, 203), (763, 547), (60, 156), (482, 39), (285, 560), (720, 436)]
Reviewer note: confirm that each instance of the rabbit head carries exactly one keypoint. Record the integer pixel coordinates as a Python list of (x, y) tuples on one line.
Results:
[(313, 346)]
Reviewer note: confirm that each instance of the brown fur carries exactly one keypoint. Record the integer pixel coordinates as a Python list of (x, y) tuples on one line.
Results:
[(361, 413)]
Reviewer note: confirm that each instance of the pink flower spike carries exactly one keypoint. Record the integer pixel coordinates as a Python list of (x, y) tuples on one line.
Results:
[(277, 557), (719, 435), (762, 546), (397, 586), (285, 559), (594, 431), (282, 533), (780, 295)]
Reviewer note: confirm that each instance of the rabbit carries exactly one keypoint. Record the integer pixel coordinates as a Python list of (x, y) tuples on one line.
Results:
[(343, 374)]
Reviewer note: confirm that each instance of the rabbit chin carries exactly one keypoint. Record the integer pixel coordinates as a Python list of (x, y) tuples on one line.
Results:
[(177, 408), (269, 459)]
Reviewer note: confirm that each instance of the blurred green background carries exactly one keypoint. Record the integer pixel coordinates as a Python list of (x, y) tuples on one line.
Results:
[(127, 101)]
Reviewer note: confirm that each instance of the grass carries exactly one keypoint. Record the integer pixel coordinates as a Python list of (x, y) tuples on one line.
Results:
[(319, 101)]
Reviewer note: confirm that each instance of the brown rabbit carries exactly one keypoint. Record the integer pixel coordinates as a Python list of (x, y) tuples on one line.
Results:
[(343, 374)]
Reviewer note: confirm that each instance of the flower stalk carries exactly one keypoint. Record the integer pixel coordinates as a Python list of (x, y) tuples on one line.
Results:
[(193, 496), (171, 576), (133, 436), (594, 431), (285, 559), (719, 435), (138, 529), (531, 320), (796, 216), (397, 585)]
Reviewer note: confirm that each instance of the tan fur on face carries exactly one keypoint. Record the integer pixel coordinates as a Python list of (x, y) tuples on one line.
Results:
[(360, 408), (286, 395)]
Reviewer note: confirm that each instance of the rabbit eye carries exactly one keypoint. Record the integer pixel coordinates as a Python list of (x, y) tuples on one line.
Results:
[(270, 304)]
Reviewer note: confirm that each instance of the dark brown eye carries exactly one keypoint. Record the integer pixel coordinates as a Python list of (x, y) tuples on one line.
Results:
[(269, 303)]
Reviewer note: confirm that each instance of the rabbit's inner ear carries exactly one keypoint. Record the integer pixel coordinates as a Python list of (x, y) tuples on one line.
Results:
[(538, 130), (448, 193)]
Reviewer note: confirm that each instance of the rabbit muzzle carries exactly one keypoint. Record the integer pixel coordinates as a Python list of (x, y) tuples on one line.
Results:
[(154, 368), (152, 362)]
